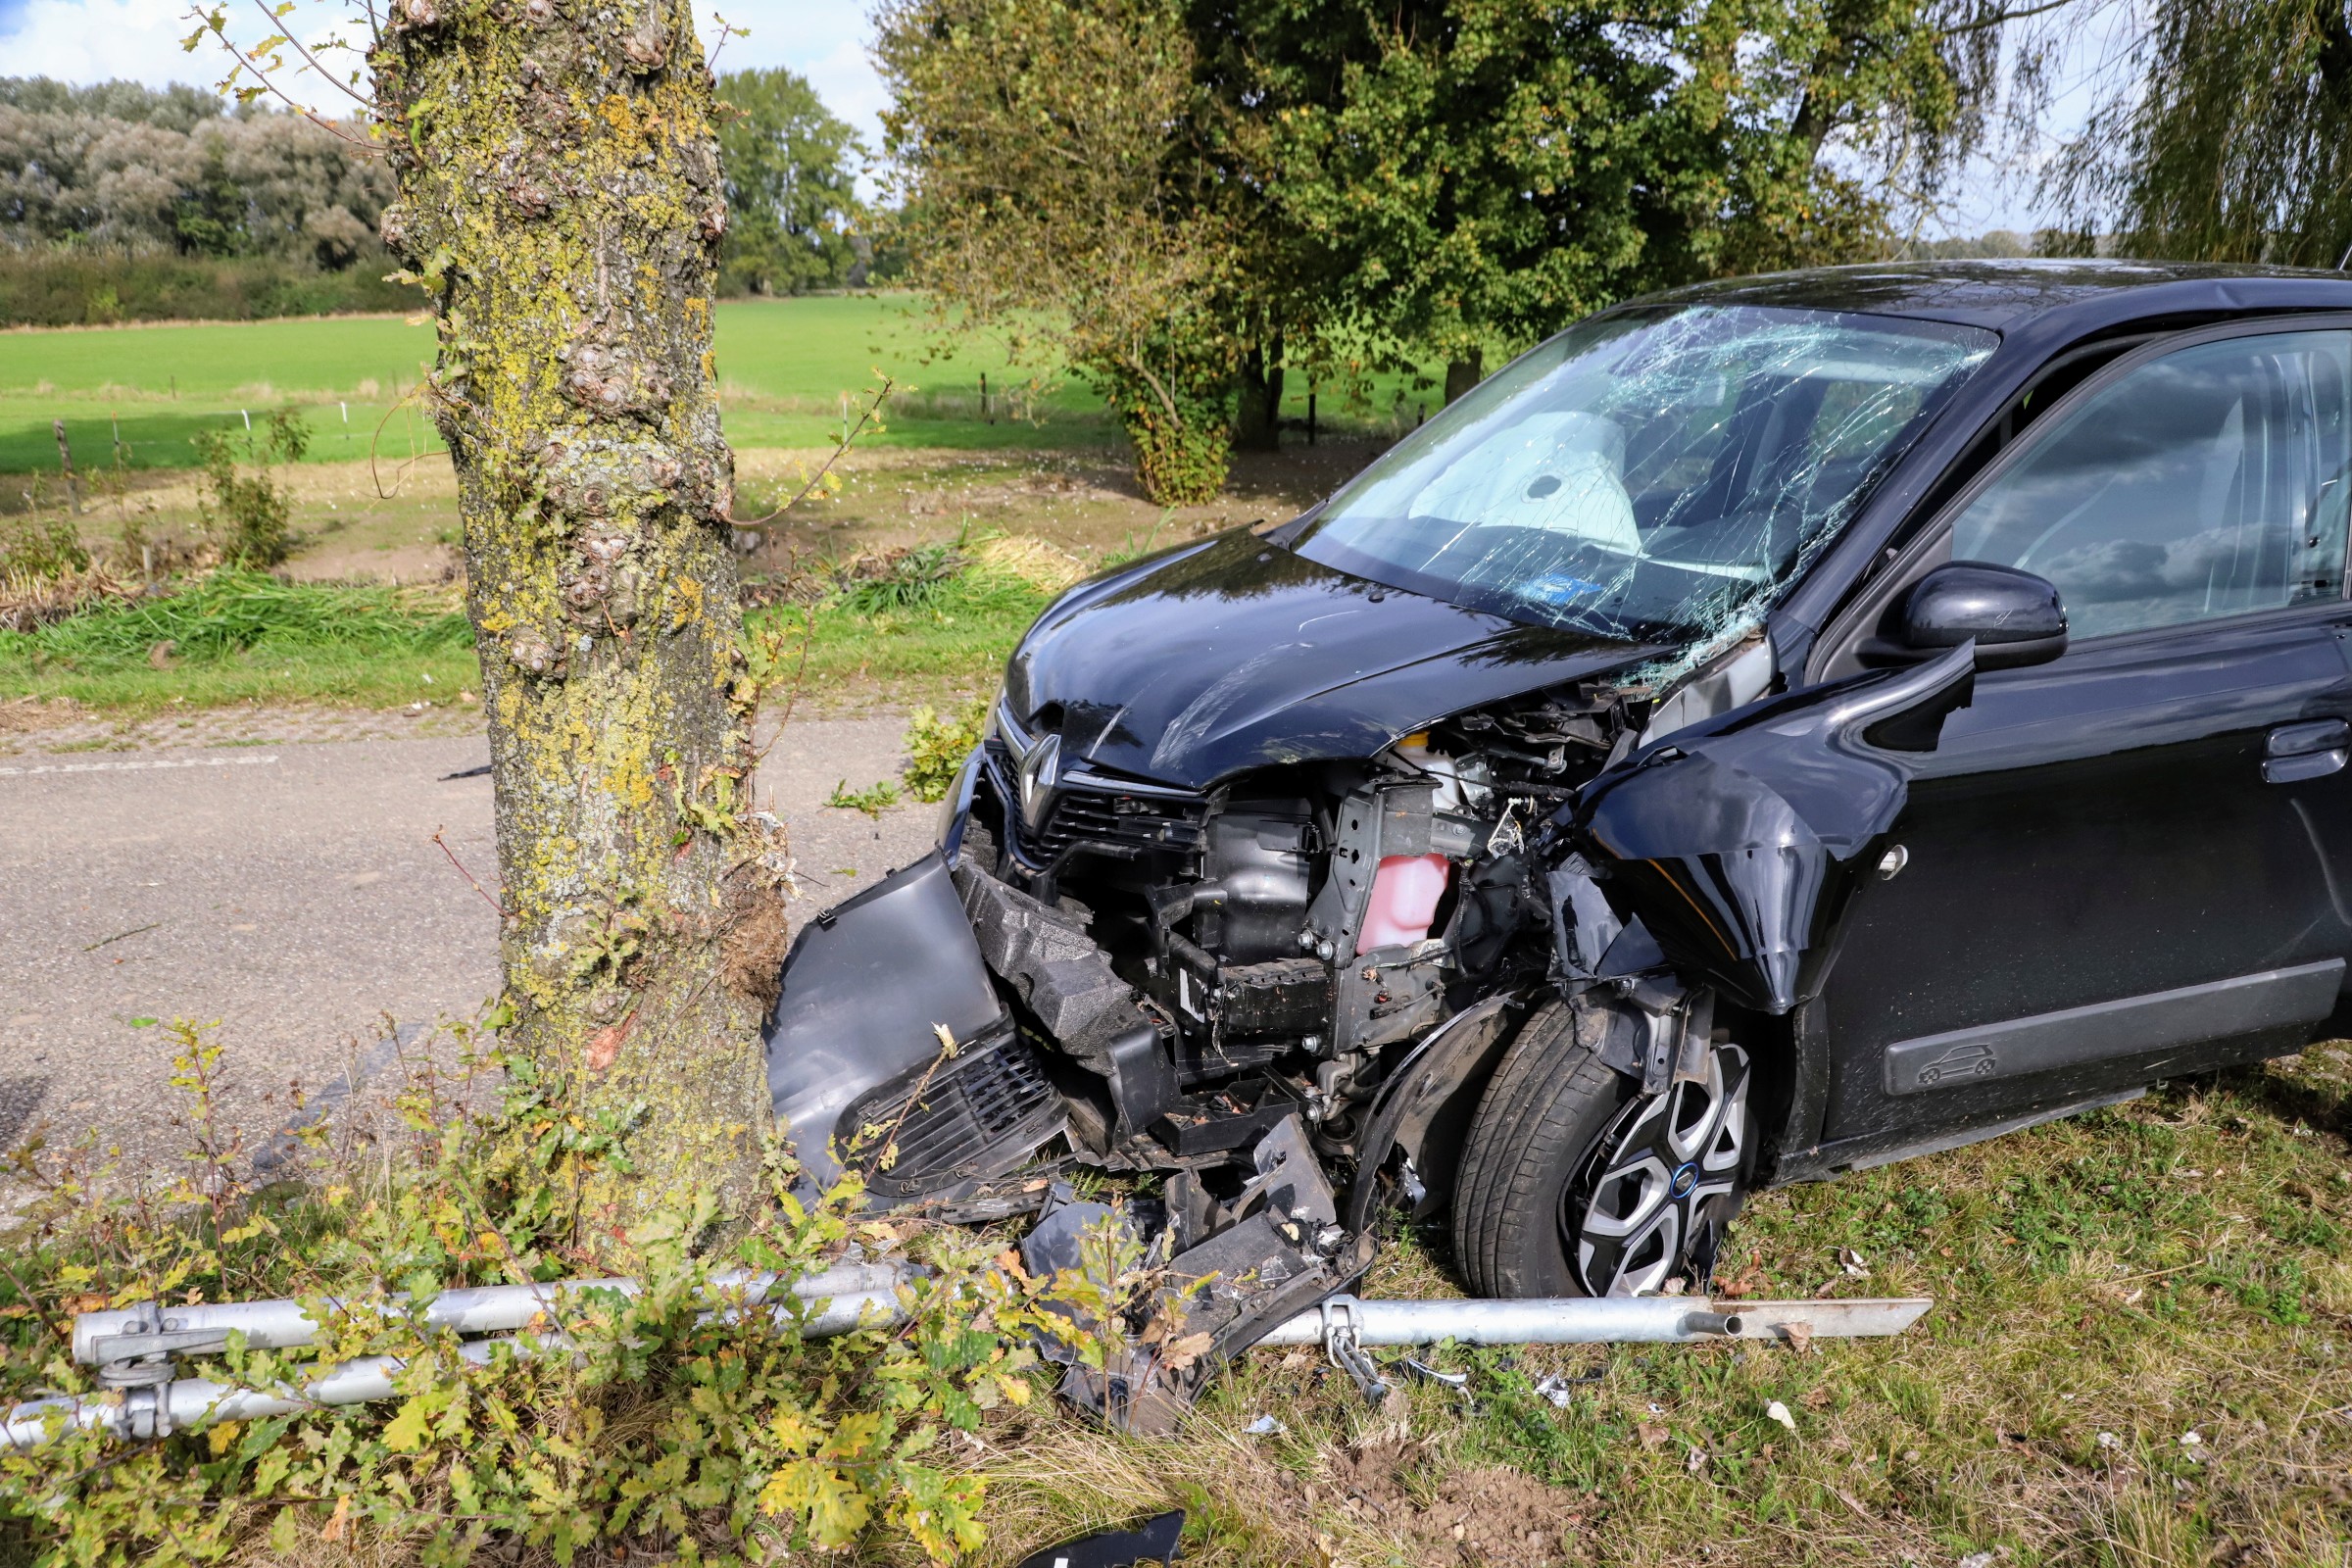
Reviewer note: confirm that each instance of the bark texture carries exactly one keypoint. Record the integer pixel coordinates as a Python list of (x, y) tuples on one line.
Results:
[(559, 197)]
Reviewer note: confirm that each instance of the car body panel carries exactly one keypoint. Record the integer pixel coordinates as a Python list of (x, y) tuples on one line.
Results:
[(1239, 655)]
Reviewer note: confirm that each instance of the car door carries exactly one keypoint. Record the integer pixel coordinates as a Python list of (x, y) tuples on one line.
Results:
[(2132, 862)]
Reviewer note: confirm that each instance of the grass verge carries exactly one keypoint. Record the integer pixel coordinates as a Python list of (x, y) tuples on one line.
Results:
[(241, 636), (2105, 1286), (910, 624)]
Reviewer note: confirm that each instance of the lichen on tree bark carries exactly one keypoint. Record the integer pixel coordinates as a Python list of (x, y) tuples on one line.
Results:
[(559, 197)]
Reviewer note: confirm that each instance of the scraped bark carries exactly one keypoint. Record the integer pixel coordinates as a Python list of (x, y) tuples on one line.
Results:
[(560, 198)]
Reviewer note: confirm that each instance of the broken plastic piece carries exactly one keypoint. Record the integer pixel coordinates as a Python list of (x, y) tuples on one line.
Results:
[(1155, 1539)]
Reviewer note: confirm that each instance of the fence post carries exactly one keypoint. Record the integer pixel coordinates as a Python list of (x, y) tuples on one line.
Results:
[(65, 461)]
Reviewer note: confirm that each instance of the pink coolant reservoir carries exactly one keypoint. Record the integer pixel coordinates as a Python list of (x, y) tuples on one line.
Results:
[(1406, 891)]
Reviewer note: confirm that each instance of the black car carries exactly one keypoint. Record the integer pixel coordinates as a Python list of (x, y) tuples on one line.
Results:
[(1770, 729)]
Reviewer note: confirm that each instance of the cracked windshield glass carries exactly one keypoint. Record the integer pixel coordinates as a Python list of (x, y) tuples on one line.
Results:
[(1651, 475)]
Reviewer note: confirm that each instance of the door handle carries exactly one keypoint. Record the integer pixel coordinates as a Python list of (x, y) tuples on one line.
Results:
[(2313, 748)]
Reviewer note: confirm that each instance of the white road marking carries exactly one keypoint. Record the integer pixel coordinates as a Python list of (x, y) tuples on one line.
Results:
[(139, 766)]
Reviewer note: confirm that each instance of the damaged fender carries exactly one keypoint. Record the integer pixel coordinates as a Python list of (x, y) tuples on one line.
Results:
[(1737, 845)]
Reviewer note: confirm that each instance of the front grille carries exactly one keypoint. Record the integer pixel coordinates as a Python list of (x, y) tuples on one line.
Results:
[(976, 1117), (1091, 809), (1082, 816)]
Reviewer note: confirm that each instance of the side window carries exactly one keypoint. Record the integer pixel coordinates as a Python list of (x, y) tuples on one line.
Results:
[(2212, 482)]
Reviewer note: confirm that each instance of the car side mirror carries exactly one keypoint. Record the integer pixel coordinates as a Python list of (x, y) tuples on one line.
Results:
[(2015, 617)]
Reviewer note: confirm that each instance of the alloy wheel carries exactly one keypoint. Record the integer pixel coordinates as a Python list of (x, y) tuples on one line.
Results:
[(1628, 1217)]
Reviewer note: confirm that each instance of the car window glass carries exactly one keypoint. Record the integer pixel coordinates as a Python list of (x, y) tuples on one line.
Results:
[(2209, 482), (1658, 473)]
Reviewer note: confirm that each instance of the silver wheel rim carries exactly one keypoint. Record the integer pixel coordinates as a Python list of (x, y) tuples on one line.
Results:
[(1628, 1217)]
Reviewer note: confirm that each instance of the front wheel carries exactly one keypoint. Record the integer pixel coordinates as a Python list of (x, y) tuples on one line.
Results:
[(1575, 1183)]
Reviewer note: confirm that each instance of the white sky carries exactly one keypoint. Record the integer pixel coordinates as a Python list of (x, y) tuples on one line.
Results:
[(91, 40), (84, 41)]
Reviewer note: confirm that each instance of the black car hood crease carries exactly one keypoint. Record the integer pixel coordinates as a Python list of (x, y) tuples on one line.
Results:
[(1237, 654)]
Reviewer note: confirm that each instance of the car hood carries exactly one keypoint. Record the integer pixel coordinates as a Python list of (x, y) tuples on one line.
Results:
[(1236, 654)]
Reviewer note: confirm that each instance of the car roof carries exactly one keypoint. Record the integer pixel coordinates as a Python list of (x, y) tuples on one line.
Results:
[(2004, 294)]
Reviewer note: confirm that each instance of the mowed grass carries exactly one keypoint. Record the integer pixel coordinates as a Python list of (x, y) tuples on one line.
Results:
[(788, 370), (2140, 1357), (786, 367)]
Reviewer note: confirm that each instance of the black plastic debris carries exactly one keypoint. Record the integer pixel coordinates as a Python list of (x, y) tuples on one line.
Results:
[(1153, 1540)]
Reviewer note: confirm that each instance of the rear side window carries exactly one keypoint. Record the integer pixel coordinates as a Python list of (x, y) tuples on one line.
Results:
[(2209, 482)]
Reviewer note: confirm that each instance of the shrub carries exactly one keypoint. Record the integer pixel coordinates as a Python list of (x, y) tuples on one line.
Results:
[(242, 510), (664, 1428), (936, 745), (40, 544)]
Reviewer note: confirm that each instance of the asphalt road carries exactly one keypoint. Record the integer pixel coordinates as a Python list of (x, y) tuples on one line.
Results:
[(292, 894)]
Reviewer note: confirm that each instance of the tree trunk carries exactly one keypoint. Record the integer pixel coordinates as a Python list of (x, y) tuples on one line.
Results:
[(1464, 373), (1258, 422), (560, 198)]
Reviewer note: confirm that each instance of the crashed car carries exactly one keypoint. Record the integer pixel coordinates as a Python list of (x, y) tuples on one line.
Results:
[(1767, 730)]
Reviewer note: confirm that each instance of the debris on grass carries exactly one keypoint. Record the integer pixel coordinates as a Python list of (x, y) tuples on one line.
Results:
[(31, 599)]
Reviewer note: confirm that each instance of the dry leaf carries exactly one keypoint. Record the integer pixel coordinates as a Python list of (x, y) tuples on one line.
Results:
[(1651, 1433), (1183, 1353), (335, 1527), (1798, 1335)]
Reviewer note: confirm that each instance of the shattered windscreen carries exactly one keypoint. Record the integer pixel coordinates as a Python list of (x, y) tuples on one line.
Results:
[(1647, 474)]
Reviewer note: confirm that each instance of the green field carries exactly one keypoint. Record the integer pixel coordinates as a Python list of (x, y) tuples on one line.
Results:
[(784, 368)]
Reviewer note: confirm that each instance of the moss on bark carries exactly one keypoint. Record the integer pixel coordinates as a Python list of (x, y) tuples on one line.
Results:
[(559, 200)]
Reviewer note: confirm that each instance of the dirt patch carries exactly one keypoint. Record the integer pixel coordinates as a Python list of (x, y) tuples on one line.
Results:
[(1485, 1514), (29, 715)]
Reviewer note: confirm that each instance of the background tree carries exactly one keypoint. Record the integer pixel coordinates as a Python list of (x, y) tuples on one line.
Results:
[(2225, 135), (119, 165), (1047, 155), (1468, 170), (1442, 177), (792, 193), (561, 202)]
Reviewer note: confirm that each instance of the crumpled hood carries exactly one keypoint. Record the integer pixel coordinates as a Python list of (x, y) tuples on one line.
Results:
[(1236, 654)]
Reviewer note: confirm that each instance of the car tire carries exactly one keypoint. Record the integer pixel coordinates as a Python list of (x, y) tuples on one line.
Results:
[(1564, 1187)]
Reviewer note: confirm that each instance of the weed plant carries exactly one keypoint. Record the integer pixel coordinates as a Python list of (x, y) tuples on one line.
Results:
[(873, 799), (244, 509), (936, 746), (653, 1427), (40, 543)]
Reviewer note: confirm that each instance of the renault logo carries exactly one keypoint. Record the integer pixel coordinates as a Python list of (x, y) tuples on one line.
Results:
[(1041, 777)]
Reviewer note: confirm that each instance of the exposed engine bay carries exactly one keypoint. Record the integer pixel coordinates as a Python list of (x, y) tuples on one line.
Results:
[(1285, 938)]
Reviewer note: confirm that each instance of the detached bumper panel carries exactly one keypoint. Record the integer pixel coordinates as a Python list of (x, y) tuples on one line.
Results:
[(863, 986)]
